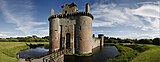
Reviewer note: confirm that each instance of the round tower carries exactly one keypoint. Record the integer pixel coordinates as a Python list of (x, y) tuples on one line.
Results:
[(54, 34), (101, 37), (85, 34)]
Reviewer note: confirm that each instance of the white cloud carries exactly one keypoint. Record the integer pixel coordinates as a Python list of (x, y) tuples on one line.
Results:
[(109, 15), (145, 17), (149, 10), (20, 14), (5, 34)]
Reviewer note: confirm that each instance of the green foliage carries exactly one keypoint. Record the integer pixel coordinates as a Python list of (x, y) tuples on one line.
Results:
[(33, 38), (126, 54), (145, 41), (3, 40), (156, 41), (138, 47)]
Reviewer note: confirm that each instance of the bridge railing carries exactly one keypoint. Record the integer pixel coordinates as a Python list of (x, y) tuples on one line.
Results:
[(51, 57)]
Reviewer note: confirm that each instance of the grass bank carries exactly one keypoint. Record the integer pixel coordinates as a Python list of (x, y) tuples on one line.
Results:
[(151, 55), (8, 50), (126, 54)]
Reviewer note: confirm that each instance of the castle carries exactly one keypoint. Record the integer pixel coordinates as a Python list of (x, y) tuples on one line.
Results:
[(73, 30)]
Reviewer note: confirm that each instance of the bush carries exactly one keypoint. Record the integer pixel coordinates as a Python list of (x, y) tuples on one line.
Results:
[(139, 48)]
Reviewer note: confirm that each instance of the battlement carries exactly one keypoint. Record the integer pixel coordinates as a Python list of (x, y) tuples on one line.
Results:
[(71, 14), (69, 8)]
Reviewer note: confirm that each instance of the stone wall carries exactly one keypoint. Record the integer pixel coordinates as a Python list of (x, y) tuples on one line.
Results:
[(95, 42), (79, 27)]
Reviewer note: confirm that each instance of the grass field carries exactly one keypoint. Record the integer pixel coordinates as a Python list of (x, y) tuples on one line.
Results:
[(8, 50), (151, 55)]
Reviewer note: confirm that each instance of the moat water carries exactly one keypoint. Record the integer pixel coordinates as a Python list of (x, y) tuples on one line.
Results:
[(99, 54)]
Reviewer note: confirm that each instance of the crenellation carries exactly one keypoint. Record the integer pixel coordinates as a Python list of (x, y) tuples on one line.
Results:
[(71, 14)]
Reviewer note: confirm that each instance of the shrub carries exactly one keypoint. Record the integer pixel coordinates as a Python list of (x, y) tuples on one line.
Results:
[(139, 48)]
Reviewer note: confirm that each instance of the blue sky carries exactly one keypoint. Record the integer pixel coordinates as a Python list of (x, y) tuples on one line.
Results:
[(114, 18)]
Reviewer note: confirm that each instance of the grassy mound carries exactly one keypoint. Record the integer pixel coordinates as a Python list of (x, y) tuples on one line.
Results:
[(151, 55)]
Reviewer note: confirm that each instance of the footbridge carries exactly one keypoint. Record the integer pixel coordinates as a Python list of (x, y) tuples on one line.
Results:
[(56, 56)]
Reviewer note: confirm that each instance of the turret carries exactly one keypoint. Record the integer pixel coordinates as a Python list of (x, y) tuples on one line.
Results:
[(101, 37), (87, 8), (69, 8), (52, 11)]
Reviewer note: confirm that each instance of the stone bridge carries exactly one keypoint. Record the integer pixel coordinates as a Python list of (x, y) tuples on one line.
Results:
[(57, 56)]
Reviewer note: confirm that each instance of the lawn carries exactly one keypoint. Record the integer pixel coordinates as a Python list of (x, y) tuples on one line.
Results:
[(151, 55), (8, 50)]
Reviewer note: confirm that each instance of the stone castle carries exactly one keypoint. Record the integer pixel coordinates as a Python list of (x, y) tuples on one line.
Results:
[(73, 30)]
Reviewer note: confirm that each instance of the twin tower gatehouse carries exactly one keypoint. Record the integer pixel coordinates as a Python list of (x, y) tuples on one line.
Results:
[(73, 30)]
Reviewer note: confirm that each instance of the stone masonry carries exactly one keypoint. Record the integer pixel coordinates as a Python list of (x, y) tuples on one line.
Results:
[(73, 30)]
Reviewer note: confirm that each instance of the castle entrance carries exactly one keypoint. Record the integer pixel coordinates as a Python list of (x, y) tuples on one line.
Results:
[(68, 40)]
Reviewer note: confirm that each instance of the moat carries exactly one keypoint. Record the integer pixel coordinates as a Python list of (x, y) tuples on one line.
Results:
[(99, 54)]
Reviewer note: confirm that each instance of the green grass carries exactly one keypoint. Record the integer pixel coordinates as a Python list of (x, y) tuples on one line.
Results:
[(8, 50), (126, 54), (151, 55)]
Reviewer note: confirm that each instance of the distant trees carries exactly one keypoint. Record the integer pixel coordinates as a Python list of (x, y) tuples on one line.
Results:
[(145, 41), (33, 38), (155, 41)]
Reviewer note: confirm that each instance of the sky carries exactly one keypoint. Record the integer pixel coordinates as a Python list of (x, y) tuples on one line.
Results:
[(133, 19)]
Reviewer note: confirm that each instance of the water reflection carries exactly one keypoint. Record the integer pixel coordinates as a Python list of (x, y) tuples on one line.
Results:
[(33, 53), (100, 55)]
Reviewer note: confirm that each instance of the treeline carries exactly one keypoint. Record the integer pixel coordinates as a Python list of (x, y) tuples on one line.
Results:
[(33, 38), (155, 41)]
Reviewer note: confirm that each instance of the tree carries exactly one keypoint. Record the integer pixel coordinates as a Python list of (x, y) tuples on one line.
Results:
[(156, 41), (34, 36), (113, 41)]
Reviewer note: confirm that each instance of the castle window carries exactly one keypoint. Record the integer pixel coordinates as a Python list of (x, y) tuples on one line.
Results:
[(80, 27), (65, 11)]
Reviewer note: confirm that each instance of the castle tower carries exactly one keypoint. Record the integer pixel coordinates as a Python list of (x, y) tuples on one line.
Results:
[(101, 37), (71, 30), (54, 35), (85, 37), (85, 32)]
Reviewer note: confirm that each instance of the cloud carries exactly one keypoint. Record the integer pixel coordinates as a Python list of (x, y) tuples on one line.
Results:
[(109, 15), (145, 17), (148, 10), (5, 34), (21, 14)]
